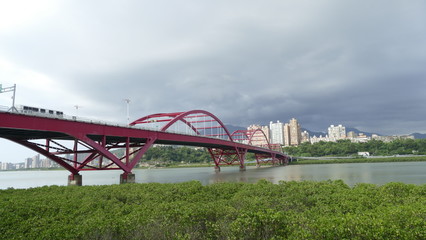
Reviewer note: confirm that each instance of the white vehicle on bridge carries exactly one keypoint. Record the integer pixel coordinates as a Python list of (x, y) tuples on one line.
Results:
[(39, 111)]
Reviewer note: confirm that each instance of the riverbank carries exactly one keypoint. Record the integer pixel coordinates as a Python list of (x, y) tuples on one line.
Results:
[(301, 161), (190, 210), (319, 160)]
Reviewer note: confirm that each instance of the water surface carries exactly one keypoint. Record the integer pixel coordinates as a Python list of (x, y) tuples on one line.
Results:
[(350, 173)]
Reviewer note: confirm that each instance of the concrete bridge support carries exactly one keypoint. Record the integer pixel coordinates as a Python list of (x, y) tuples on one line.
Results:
[(75, 180), (127, 178)]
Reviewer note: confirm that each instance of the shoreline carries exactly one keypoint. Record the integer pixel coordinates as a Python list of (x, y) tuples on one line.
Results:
[(359, 160), (299, 161)]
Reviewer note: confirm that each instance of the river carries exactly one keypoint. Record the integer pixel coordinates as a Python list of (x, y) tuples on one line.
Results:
[(350, 173)]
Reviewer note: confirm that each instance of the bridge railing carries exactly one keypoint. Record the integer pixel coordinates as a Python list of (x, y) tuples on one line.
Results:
[(4, 108)]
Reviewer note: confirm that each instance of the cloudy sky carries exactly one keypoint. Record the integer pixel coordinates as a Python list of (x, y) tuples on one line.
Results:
[(357, 63)]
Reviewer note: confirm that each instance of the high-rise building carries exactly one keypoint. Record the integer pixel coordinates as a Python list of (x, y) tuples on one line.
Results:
[(287, 134), (36, 161), (28, 163), (292, 133), (336, 132), (295, 133), (276, 132)]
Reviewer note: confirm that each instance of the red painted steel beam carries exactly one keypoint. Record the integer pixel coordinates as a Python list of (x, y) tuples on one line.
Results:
[(185, 114), (43, 152), (24, 127)]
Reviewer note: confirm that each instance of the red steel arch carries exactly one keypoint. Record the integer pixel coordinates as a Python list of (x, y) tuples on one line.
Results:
[(220, 156), (182, 116), (172, 118), (248, 136)]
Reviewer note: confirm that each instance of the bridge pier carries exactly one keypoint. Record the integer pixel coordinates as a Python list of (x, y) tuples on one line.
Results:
[(242, 168), (127, 178), (217, 169), (75, 180)]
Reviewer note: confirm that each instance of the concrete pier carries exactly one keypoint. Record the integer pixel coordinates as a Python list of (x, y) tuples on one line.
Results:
[(242, 168), (127, 178), (217, 169), (75, 180)]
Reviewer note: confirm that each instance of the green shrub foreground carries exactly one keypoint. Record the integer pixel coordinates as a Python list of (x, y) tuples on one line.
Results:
[(189, 210)]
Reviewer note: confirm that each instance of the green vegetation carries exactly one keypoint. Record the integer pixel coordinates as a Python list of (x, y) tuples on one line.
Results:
[(347, 148), (170, 154), (358, 160), (289, 210), (173, 156)]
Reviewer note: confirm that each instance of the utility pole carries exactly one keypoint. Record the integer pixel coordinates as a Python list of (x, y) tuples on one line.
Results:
[(10, 89), (76, 108), (128, 116)]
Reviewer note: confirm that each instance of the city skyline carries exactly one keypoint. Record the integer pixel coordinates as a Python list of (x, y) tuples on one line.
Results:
[(329, 61)]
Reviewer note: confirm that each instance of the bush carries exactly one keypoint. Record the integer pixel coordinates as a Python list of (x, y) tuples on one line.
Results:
[(288, 210)]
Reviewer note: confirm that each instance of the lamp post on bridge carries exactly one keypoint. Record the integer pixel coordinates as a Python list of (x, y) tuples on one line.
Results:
[(76, 109), (128, 116), (10, 89)]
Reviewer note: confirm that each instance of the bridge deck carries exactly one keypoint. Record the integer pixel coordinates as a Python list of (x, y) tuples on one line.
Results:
[(28, 127)]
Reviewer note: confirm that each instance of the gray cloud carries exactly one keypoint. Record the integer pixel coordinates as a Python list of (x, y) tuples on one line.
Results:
[(356, 63)]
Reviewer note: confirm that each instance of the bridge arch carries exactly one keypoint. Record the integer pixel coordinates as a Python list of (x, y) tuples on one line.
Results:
[(263, 134), (185, 117)]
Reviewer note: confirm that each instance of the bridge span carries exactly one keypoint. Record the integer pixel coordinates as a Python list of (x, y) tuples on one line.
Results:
[(86, 146)]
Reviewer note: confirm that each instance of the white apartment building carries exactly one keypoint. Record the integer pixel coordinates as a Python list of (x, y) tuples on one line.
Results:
[(305, 137), (276, 132), (336, 132)]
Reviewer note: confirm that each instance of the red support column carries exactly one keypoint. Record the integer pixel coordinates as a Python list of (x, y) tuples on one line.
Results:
[(75, 153), (127, 150)]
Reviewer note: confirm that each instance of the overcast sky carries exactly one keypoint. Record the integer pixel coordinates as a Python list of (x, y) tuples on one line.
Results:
[(357, 63)]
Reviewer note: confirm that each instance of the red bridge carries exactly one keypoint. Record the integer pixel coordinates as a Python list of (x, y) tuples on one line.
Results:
[(85, 145)]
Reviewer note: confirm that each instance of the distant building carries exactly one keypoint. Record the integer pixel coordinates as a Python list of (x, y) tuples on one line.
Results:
[(295, 132), (361, 138), (391, 138), (36, 161), (351, 135), (6, 166), (28, 163), (316, 139), (292, 133), (336, 132), (305, 137), (276, 132)]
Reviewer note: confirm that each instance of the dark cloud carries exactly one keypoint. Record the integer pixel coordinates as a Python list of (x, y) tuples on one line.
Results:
[(329, 62)]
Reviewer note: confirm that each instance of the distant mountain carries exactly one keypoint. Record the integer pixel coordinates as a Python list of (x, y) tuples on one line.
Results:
[(232, 128), (418, 135), (349, 129), (312, 133)]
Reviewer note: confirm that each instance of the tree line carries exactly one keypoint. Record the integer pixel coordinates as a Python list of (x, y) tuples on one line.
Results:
[(173, 154), (348, 148)]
